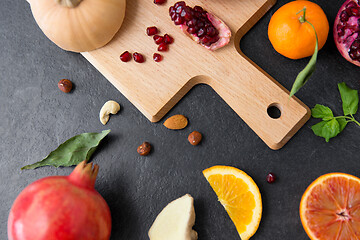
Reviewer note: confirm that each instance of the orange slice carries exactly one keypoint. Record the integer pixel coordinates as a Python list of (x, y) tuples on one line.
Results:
[(330, 208), (239, 195)]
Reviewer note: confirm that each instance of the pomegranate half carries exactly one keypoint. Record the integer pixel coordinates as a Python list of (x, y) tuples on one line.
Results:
[(347, 31), (203, 27), (61, 208)]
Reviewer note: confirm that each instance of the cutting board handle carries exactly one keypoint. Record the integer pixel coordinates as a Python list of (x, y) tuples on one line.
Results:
[(255, 95)]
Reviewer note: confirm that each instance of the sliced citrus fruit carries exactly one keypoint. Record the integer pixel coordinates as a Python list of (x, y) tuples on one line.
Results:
[(330, 208), (239, 195)]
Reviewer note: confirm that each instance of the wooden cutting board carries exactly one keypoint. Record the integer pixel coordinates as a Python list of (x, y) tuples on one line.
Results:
[(154, 88)]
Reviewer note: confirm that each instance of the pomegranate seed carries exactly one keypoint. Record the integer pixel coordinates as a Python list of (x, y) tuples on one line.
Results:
[(138, 57), (181, 3), (205, 40), (179, 20), (355, 45), (151, 31), (201, 32), (197, 15), (157, 57), (191, 23), (354, 51), (159, 1), (344, 16), (163, 47), (198, 9), (179, 9), (168, 39), (173, 16), (200, 24), (355, 11), (186, 14), (191, 30), (158, 39), (125, 56), (270, 178), (211, 31), (341, 32), (351, 4)]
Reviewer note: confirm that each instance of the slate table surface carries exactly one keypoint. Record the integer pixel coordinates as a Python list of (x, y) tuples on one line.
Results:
[(35, 117)]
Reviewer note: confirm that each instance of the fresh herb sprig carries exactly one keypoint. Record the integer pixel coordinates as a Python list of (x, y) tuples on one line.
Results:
[(331, 126)]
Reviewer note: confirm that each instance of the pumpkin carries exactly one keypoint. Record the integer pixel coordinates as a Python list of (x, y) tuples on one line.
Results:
[(79, 25)]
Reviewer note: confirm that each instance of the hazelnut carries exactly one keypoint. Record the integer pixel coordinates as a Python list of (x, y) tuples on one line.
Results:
[(65, 85), (144, 149), (194, 138)]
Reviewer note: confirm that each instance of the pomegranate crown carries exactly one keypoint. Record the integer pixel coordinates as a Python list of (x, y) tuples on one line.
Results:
[(84, 174)]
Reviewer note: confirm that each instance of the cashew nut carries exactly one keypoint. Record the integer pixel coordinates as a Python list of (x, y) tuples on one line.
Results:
[(110, 107)]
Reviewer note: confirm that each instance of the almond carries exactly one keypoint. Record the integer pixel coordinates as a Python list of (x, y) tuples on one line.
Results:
[(176, 122)]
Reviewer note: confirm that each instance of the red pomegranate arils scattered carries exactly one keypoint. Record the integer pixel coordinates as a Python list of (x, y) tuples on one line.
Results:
[(347, 31), (125, 56), (151, 31), (203, 27), (168, 39), (163, 47), (159, 1), (157, 57), (158, 39), (138, 57)]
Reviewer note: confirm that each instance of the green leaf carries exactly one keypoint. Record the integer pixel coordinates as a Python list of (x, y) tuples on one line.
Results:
[(327, 129), (350, 99), (306, 73), (72, 152), (342, 123), (321, 111)]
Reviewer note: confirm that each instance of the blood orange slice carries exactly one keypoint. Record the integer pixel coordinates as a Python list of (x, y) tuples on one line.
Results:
[(330, 208)]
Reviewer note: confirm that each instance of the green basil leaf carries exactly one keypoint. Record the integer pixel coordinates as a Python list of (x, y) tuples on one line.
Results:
[(350, 99), (72, 151), (327, 129), (342, 123), (321, 111), (306, 73)]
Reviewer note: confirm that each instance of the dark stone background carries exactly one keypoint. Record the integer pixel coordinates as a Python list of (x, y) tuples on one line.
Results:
[(35, 117)]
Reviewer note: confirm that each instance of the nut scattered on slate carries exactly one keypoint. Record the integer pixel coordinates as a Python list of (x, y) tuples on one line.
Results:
[(194, 138), (144, 149), (110, 107), (176, 122), (65, 85)]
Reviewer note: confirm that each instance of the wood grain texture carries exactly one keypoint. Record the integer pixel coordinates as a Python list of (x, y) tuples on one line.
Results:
[(154, 88)]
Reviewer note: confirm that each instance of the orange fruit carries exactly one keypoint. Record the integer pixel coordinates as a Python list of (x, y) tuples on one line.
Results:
[(330, 208), (292, 38), (239, 195)]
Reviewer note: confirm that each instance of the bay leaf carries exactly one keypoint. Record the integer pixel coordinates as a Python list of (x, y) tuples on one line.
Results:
[(72, 151)]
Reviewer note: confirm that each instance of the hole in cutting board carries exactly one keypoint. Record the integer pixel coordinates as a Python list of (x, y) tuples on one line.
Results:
[(274, 111)]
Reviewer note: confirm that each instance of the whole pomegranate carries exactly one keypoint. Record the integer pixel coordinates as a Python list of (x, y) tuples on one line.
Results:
[(347, 31), (61, 208)]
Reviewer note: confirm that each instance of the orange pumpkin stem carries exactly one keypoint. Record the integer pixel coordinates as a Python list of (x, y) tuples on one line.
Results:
[(69, 3)]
